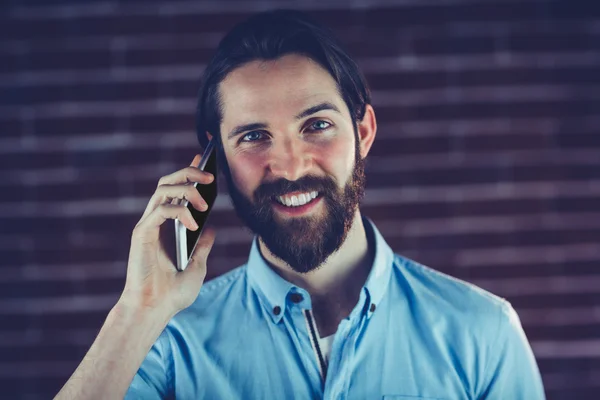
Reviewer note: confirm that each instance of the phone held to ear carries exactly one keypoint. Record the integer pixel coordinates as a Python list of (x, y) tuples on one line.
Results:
[(186, 240)]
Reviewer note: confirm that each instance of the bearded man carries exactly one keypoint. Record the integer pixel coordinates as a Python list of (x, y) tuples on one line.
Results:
[(323, 308)]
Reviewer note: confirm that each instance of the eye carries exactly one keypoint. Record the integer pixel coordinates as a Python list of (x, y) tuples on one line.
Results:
[(319, 125), (251, 136)]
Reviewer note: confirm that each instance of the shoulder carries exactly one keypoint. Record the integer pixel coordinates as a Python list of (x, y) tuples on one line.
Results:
[(213, 289), (470, 321), (225, 288), (217, 296), (439, 296)]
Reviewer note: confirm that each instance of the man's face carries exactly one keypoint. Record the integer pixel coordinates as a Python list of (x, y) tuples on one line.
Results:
[(279, 148)]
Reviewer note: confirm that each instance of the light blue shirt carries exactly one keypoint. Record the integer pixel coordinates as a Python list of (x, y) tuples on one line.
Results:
[(415, 334)]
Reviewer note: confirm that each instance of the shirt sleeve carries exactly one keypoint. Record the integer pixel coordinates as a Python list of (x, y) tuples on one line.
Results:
[(152, 379), (512, 372)]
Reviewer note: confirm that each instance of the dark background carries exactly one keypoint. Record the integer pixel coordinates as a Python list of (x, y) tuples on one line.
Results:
[(486, 165)]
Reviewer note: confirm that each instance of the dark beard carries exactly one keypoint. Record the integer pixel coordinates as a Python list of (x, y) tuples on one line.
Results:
[(304, 243)]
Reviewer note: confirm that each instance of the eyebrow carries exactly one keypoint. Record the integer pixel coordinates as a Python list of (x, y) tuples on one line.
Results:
[(261, 125)]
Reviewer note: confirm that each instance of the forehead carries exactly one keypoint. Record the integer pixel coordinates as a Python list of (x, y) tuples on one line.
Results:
[(262, 90)]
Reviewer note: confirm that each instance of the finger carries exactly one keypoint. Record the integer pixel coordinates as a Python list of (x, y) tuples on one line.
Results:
[(183, 176), (174, 194), (195, 161), (148, 229), (186, 175), (197, 261)]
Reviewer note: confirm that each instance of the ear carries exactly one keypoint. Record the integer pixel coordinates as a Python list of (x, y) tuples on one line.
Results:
[(367, 129), (208, 135)]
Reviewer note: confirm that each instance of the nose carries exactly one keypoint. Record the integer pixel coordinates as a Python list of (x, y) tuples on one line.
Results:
[(290, 159)]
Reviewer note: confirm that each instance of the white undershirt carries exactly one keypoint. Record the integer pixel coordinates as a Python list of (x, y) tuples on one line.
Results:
[(325, 345)]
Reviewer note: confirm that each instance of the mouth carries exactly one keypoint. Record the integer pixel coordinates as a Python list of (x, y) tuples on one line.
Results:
[(296, 203), (296, 199)]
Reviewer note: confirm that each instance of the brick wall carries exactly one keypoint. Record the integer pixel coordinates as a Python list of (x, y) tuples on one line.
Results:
[(486, 165)]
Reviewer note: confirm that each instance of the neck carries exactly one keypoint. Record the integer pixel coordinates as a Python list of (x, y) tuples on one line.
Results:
[(343, 274)]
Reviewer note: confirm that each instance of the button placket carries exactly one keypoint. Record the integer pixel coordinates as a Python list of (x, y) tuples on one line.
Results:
[(340, 379), (301, 339), (334, 383)]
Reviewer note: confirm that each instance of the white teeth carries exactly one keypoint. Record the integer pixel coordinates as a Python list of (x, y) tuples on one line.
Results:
[(298, 200)]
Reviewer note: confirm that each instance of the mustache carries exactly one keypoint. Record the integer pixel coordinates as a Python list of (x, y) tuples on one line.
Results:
[(282, 186)]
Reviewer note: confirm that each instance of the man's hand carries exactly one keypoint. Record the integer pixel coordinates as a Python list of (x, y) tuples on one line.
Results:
[(154, 292), (153, 282)]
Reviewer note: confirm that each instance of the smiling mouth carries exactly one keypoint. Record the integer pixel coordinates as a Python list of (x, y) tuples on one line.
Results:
[(297, 199)]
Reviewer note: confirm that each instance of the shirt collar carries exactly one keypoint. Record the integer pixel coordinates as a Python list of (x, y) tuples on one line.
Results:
[(270, 286), (379, 277), (273, 289)]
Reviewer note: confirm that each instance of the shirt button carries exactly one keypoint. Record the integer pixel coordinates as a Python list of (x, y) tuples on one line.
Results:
[(372, 307), (296, 297), (276, 310)]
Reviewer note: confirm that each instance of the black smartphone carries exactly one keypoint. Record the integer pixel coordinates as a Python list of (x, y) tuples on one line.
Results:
[(186, 239)]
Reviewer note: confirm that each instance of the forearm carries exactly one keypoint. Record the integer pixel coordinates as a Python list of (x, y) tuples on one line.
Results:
[(115, 356)]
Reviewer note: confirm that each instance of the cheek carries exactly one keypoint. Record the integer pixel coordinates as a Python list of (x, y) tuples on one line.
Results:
[(338, 157), (245, 173)]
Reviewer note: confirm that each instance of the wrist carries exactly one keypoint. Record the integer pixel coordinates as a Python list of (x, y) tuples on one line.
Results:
[(129, 309)]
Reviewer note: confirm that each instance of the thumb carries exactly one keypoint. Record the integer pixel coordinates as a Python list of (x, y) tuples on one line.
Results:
[(195, 161), (197, 262)]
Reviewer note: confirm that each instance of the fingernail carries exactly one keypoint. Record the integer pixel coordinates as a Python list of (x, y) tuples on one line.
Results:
[(195, 225)]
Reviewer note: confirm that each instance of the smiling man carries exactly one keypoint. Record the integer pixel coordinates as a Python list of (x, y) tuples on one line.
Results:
[(301, 173), (323, 308)]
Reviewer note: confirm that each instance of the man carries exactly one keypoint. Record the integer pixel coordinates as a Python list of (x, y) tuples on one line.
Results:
[(323, 308)]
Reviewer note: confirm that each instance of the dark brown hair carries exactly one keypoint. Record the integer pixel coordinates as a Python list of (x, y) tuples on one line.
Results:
[(268, 36)]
